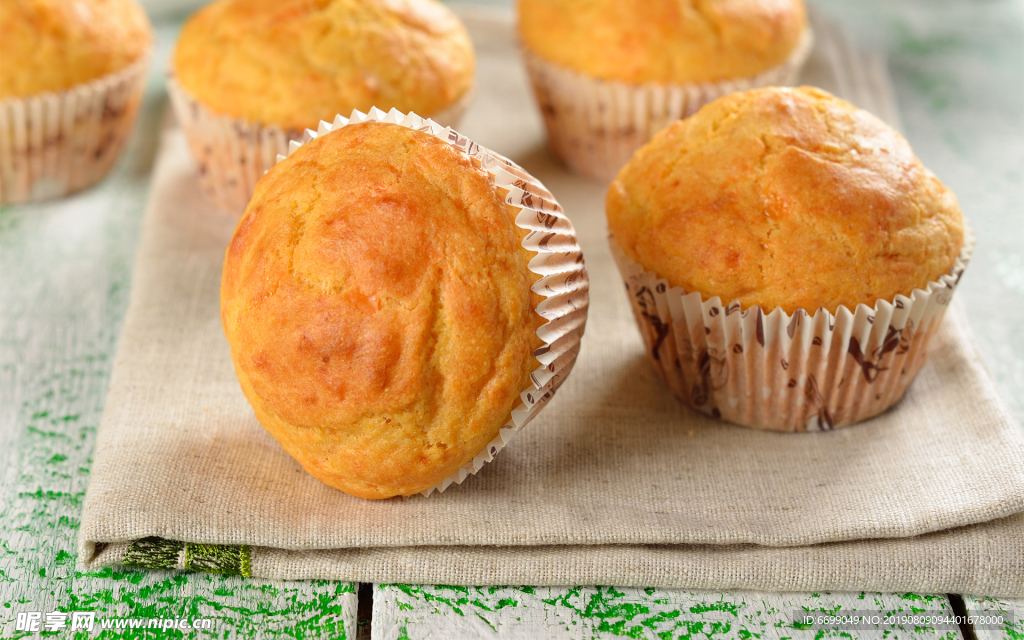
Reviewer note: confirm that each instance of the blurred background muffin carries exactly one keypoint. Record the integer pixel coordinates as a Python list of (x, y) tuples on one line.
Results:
[(71, 81), (247, 75), (609, 74), (388, 332), (804, 240)]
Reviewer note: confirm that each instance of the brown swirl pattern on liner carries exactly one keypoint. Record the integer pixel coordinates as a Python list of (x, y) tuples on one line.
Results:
[(805, 372), (595, 126), (563, 281), (54, 144), (232, 154)]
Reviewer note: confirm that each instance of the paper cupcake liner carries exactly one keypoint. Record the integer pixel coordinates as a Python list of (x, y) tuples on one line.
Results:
[(53, 144), (595, 126), (782, 372), (559, 262), (232, 154)]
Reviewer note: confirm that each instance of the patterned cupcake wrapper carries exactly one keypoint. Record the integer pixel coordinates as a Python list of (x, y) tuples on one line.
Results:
[(596, 126), (232, 154), (563, 281), (782, 372), (53, 144)]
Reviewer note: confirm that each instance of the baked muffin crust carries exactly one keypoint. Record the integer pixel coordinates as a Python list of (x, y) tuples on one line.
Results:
[(52, 45), (786, 198), (663, 41), (293, 63), (378, 305)]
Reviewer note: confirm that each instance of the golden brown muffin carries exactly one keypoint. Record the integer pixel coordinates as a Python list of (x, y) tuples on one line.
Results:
[(293, 63), (786, 198), (663, 41), (52, 45), (377, 301)]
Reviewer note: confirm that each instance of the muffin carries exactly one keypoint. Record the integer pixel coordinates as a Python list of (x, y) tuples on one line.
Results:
[(609, 74), (787, 256), (70, 91), (381, 297), (248, 75)]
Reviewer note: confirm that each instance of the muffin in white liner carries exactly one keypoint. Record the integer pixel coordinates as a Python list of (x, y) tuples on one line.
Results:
[(283, 65), (231, 154), (56, 143), (767, 369), (595, 125), (562, 278)]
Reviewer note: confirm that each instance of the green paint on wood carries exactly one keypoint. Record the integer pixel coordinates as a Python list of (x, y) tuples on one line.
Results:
[(716, 606), (600, 613), (486, 621), (426, 594), (930, 44)]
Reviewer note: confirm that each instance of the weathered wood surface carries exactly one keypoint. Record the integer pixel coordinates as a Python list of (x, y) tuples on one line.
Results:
[(404, 612), (1010, 610)]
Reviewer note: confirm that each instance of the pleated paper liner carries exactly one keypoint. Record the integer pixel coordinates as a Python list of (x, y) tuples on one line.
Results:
[(56, 143), (559, 262), (595, 126), (232, 154), (772, 370)]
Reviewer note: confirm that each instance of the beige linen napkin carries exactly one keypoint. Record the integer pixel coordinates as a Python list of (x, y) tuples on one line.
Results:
[(615, 482)]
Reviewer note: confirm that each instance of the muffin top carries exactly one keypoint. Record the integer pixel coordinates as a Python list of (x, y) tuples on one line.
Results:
[(786, 198), (293, 63), (663, 41), (378, 304), (52, 45)]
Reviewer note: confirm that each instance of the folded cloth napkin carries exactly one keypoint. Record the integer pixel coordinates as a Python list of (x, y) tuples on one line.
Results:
[(615, 482)]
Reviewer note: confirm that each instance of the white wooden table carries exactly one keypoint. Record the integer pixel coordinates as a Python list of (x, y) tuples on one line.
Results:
[(442, 612), (65, 273)]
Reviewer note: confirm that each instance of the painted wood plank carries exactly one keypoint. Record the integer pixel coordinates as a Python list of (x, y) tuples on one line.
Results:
[(65, 273), (1011, 611), (407, 612), (209, 606)]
